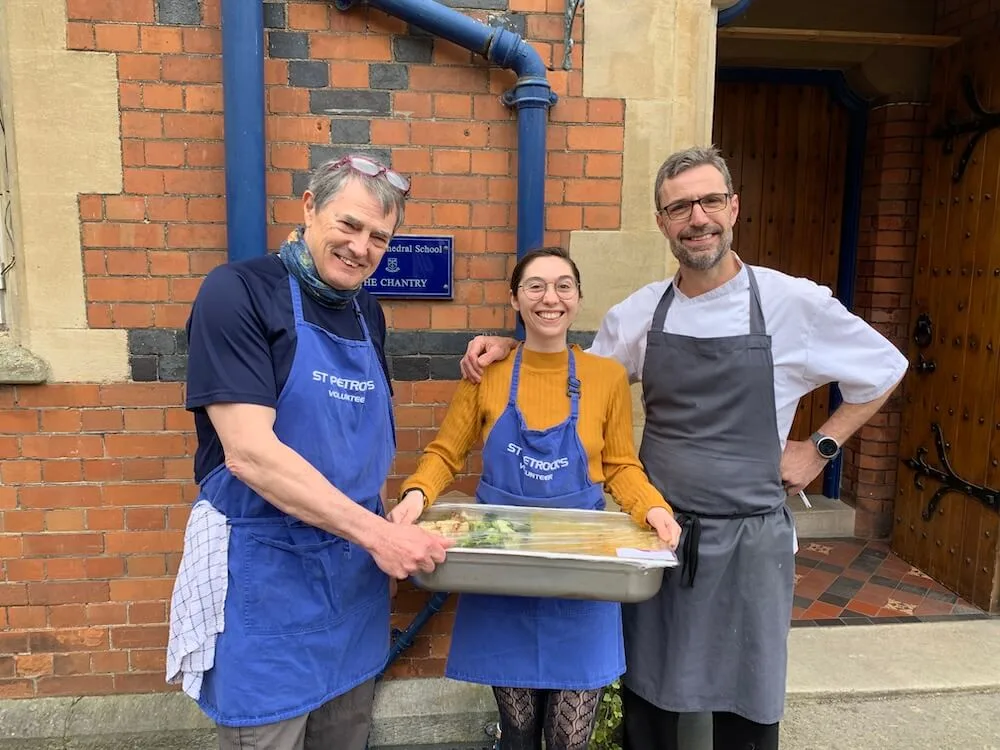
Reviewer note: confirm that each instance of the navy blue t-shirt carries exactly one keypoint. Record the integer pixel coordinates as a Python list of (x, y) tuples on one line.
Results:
[(241, 341)]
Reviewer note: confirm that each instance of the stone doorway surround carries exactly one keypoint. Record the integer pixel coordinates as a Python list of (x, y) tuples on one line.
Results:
[(63, 141)]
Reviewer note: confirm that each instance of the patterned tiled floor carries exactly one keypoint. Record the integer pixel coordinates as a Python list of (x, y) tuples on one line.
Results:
[(854, 582)]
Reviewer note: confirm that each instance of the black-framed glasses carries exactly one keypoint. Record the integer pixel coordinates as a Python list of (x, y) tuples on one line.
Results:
[(373, 168), (710, 204), (534, 288)]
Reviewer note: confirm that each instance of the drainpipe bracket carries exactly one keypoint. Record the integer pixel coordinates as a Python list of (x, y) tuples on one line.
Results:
[(530, 91)]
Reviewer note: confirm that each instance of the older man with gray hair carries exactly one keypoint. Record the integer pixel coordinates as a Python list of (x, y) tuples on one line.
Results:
[(724, 352), (279, 619)]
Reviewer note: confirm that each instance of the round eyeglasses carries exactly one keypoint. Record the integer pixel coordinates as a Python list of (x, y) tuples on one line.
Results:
[(373, 168), (565, 287)]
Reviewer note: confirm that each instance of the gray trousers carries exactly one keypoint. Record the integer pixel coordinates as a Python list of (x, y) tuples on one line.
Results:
[(340, 724)]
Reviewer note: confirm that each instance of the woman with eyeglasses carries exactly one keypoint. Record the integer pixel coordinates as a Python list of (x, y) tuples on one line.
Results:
[(279, 620), (546, 659)]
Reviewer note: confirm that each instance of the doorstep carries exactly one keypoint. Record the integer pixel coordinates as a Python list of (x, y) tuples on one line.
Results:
[(827, 518)]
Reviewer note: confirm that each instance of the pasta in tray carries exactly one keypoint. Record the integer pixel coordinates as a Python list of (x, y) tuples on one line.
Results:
[(539, 530)]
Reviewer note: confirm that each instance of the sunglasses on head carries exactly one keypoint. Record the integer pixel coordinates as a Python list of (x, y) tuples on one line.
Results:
[(372, 168)]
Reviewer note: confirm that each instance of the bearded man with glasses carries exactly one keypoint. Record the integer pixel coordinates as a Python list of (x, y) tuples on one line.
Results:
[(724, 352), (279, 618)]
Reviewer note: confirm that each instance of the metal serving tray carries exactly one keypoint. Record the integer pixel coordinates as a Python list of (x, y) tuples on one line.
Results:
[(519, 572), (475, 571)]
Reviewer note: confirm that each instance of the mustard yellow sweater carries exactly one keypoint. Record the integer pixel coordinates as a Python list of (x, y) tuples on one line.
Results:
[(604, 425)]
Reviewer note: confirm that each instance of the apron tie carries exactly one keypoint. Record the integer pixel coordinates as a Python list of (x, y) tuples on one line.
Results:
[(690, 539), (690, 524)]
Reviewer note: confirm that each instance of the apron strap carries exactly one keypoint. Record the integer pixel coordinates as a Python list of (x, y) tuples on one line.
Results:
[(572, 384), (296, 291), (757, 326), (515, 376), (660, 315), (573, 389), (361, 319)]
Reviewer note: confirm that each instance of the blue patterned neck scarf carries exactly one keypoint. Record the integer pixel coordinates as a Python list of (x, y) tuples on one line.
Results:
[(295, 255)]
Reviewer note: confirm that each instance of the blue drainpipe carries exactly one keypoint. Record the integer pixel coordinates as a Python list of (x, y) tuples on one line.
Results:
[(243, 99), (403, 639), (729, 15), (243, 96), (531, 95)]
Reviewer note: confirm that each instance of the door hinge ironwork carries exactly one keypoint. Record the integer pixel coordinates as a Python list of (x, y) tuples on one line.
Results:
[(978, 125), (950, 481)]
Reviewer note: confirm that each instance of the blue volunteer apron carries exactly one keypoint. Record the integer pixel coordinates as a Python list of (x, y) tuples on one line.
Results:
[(307, 612), (545, 643)]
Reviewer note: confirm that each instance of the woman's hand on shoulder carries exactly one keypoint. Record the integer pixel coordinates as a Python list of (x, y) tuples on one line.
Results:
[(408, 510), (665, 525)]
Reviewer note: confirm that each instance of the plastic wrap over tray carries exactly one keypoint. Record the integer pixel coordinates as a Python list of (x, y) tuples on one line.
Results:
[(565, 553)]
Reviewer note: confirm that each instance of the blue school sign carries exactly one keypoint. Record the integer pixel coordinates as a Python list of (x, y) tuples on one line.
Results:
[(415, 266)]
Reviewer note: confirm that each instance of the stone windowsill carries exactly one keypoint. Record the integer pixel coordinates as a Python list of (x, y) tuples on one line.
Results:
[(18, 366)]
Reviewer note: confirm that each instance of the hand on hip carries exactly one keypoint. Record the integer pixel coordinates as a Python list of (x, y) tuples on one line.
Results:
[(800, 464)]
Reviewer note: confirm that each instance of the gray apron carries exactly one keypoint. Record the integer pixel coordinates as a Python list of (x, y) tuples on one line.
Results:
[(715, 637)]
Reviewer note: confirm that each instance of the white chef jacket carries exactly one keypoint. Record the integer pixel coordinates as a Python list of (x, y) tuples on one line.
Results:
[(815, 340)]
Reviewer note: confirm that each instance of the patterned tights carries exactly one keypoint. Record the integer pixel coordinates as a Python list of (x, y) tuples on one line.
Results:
[(564, 717)]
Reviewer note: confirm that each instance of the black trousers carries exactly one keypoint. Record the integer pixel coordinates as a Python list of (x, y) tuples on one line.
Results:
[(647, 727)]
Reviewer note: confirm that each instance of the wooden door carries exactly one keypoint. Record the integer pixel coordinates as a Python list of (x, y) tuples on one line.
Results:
[(786, 146), (952, 384)]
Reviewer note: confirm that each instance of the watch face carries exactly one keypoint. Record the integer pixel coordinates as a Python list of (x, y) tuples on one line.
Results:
[(827, 447)]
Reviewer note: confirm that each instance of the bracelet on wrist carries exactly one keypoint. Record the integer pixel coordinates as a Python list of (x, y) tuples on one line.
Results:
[(412, 490)]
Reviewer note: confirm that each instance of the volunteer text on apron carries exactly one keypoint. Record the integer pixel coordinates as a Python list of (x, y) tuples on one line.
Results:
[(544, 643), (711, 445), (307, 612)]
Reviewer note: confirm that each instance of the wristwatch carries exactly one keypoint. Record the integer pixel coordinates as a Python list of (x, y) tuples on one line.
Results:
[(826, 446)]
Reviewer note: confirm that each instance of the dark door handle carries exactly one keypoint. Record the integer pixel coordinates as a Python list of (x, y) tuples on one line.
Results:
[(923, 331)]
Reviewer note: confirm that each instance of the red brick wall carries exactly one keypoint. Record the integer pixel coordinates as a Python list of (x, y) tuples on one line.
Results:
[(96, 478), (94, 497), (886, 251), (967, 17)]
